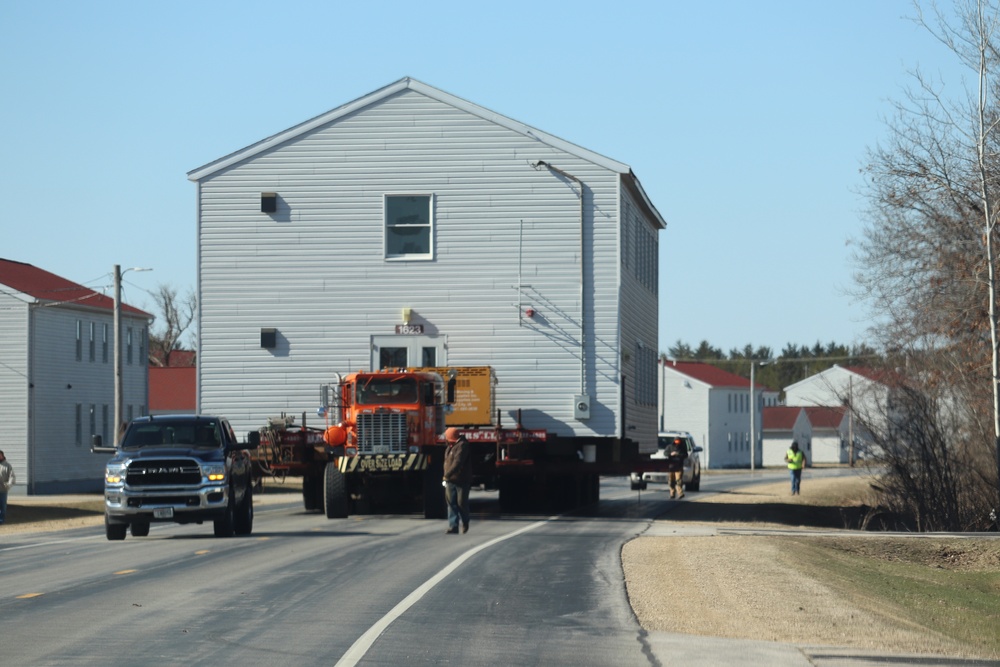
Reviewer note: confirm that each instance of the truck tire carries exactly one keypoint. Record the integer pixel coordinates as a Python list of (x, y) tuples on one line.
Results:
[(334, 492), (243, 521), (225, 527), (312, 492), (139, 528), (114, 531)]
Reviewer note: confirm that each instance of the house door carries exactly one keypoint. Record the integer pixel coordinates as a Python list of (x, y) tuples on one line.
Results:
[(408, 351)]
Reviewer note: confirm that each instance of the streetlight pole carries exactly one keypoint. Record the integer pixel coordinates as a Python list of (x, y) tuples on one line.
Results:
[(118, 345), (753, 412)]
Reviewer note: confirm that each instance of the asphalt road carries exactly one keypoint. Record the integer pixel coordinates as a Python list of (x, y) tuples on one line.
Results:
[(382, 590)]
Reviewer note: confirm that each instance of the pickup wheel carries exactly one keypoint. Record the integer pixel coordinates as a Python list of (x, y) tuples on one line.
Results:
[(139, 529), (334, 492), (114, 531), (243, 524), (225, 527), (694, 484)]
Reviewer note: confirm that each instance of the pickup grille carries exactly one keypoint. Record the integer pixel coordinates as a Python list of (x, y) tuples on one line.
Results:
[(382, 433), (163, 472)]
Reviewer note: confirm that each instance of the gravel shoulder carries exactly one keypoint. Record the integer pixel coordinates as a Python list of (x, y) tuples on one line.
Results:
[(697, 575)]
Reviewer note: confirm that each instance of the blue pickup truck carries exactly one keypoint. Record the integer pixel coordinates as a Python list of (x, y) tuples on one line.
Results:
[(181, 469)]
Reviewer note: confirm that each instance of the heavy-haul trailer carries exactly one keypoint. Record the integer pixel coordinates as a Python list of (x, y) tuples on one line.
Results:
[(381, 447)]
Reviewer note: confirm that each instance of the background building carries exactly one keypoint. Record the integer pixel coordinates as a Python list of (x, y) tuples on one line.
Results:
[(57, 377)]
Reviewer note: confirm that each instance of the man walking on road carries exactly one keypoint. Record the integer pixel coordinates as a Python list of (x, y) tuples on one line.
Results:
[(677, 453), (7, 479), (457, 480)]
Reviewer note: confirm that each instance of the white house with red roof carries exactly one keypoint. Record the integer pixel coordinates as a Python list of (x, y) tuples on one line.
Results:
[(864, 389), (57, 377), (831, 433), (714, 406), (783, 425)]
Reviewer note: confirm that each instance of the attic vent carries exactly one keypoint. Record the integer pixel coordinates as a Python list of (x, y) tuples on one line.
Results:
[(268, 202)]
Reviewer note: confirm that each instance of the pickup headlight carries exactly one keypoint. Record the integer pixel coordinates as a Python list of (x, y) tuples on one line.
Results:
[(114, 474), (214, 473)]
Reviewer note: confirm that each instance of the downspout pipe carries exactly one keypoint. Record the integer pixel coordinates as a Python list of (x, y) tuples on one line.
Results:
[(583, 310)]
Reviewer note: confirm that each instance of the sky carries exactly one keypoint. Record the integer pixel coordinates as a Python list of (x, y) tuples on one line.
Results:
[(747, 124)]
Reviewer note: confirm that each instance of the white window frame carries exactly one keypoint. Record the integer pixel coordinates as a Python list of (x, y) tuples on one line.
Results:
[(429, 255)]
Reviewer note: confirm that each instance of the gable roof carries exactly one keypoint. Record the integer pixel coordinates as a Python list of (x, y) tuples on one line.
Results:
[(31, 283), (825, 417), (408, 83), (779, 417), (708, 374)]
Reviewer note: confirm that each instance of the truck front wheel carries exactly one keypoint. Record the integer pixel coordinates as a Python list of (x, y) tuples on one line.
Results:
[(225, 527), (243, 523), (114, 531), (335, 492)]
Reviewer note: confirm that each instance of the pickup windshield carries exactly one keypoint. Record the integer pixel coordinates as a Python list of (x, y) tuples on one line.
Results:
[(202, 433)]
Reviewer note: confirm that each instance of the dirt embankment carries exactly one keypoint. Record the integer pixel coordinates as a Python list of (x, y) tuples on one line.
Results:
[(705, 578)]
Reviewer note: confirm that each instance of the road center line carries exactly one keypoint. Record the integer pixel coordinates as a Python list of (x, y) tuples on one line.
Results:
[(360, 647)]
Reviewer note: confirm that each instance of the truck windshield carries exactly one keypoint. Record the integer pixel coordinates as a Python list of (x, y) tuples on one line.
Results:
[(185, 434), (378, 391)]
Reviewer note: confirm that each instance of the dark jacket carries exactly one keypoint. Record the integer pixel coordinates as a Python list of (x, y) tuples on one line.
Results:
[(677, 452), (457, 466)]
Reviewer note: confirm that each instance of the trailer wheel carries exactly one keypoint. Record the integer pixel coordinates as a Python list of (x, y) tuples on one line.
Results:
[(139, 528), (335, 492), (312, 492), (114, 531)]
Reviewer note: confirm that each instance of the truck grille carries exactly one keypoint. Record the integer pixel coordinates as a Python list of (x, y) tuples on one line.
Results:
[(383, 433), (163, 472)]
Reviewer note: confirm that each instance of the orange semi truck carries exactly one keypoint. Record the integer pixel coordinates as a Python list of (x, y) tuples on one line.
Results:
[(380, 447)]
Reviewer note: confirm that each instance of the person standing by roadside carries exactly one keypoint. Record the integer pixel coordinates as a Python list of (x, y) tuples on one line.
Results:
[(796, 460), (457, 479), (7, 479), (677, 453)]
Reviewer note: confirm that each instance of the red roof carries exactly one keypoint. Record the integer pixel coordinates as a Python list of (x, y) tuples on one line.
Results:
[(709, 374), (45, 286), (825, 417), (780, 417), (172, 389)]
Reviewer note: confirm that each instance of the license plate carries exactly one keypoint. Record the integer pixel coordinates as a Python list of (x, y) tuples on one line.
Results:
[(163, 513)]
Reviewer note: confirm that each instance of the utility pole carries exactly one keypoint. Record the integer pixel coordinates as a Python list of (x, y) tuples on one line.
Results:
[(118, 351), (118, 345)]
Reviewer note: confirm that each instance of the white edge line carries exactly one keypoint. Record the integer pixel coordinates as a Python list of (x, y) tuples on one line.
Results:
[(360, 647)]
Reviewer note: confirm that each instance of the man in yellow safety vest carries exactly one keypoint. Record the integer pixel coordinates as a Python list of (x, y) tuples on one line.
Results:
[(796, 460)]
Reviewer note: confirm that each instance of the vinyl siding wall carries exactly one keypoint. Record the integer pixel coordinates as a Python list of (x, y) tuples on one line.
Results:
[(60, 454), (14, 385), (314, 270)]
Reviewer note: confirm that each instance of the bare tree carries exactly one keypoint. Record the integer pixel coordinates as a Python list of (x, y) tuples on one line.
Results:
[(929, 260), (177, 315)]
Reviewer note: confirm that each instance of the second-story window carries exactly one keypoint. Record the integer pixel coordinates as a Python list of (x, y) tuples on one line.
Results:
[(93, 343), (408, 226), (79, 340), (104, 344), (128, 346)]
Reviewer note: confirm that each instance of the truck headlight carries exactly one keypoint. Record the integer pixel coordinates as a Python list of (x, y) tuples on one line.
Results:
[(114, 474), (215, 473)]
